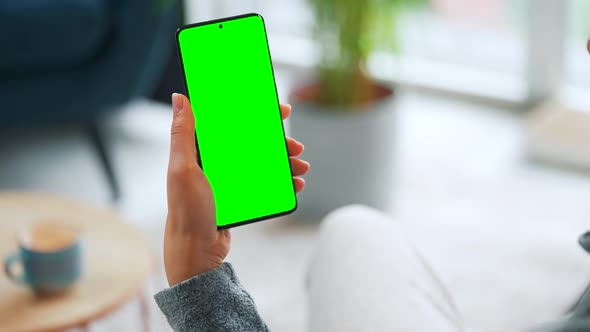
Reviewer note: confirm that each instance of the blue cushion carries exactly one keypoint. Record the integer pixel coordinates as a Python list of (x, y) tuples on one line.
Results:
[(53, 34)]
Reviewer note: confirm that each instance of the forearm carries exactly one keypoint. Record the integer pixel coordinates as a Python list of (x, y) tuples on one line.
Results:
[(212, 301)]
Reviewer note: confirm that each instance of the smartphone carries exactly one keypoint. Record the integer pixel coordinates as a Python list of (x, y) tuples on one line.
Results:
[(239, 132)]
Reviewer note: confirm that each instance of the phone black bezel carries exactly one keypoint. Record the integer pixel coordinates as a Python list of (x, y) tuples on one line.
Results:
[(199, 161)]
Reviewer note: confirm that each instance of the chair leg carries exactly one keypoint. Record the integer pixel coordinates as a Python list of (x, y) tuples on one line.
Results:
[(100, 146)]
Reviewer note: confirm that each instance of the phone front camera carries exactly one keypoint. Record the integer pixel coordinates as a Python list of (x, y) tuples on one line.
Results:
[(220, 26)]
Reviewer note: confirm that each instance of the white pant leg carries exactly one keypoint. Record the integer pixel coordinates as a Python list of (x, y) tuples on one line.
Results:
[(365, 276)]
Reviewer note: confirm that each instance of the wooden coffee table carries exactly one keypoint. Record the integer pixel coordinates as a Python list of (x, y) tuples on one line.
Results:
[(117, 263)]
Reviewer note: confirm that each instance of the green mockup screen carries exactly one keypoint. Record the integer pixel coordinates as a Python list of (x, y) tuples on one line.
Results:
[(239, 131)]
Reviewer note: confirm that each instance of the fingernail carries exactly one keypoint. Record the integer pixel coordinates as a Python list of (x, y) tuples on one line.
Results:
[(177, 102)]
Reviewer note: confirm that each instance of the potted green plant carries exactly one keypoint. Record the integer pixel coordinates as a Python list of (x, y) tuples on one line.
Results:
[(345, 117)]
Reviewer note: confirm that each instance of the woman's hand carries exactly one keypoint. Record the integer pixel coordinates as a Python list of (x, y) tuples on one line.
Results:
[(192, 243)]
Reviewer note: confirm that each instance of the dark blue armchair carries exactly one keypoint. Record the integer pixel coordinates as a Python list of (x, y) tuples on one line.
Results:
[(69, 61)]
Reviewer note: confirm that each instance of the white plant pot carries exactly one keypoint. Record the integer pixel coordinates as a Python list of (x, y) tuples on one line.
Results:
[(351, 152)]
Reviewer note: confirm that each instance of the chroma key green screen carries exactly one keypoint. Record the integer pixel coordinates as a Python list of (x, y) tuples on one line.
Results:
[(240, 136)]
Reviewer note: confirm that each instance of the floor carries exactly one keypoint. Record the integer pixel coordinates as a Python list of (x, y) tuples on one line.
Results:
[(500, 230)]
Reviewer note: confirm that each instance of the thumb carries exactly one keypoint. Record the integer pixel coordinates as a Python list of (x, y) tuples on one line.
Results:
[(183, 152)]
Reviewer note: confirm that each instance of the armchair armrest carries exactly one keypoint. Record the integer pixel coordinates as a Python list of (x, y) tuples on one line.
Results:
[(42, 34)]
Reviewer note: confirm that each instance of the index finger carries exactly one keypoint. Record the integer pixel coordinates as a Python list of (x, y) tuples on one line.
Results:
[(285, 111)]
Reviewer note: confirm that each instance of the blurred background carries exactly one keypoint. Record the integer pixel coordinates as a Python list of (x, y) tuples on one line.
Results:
[(468, 123)]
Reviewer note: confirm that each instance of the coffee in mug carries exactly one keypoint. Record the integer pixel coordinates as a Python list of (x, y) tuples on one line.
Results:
[(50, 254), (48, 237)]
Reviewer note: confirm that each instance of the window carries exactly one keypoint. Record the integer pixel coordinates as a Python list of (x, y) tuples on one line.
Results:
[(465, 46), (576, 59), (501, 49), (486, 34)]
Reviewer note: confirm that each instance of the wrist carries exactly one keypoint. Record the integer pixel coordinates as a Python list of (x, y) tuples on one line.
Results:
[(179, 270)]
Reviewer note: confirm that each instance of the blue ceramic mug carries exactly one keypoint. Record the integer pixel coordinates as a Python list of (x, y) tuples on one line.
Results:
[(50, 256)]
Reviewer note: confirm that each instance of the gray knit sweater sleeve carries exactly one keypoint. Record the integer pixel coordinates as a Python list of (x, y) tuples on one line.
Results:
[(212, 301)]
